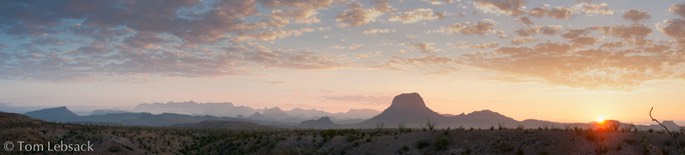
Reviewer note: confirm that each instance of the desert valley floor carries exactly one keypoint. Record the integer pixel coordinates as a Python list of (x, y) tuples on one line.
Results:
[(380, 140)]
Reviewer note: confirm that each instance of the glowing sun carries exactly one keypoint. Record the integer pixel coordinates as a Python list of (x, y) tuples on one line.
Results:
[(600, 119)]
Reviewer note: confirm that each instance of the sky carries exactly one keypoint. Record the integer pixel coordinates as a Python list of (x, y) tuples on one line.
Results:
[(566, 61)]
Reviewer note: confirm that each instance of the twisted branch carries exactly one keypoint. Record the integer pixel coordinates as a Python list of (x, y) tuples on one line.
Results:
[(675, 139)]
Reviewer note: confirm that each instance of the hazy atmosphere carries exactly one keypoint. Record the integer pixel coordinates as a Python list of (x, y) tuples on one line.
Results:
[(563, 61)]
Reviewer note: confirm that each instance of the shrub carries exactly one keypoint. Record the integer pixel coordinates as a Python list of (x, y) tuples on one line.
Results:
[(403, 128), (520, 151), (422, 144), (503, 146), (379, 126), (590, 136), (602, 149), (351, 138), (430, 125), (629, 141), (519, 127), (442, 143), (114, 148)]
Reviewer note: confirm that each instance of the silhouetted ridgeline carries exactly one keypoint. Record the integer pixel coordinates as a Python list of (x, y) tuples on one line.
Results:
[(408, 110)]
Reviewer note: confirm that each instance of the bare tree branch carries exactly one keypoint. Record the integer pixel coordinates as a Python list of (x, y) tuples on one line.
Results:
[(675, 139)]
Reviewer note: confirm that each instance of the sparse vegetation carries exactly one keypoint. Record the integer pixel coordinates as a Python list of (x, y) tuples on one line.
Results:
[(155, 140), (402, 128), (421, 144), (379, 126), (430, 125), (442, 143)]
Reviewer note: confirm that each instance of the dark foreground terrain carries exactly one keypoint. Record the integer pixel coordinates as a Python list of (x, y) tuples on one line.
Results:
[(178, 140)]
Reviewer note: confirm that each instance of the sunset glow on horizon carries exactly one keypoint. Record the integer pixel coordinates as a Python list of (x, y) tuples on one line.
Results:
[(564, 61)]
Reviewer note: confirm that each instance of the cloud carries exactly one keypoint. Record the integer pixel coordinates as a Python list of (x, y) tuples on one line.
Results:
[(417, 15), (292, 60), (591, 68), (678, 9), (356, 15), (598, 9), (580, 37), (480, 28), (351, 47), (429, 64), (383, 6), (523, 40), (547, 30), (102, 61), (272, 35), (425, 60), (143, 40), (424, 47), (524, 20), (480, 46), (674, 28), (554, 12), (281, 18), (506, 7), (633, 33), (47, 41), (537, 12), (302, 12), (636, 16), (192, 21), (378, 31)]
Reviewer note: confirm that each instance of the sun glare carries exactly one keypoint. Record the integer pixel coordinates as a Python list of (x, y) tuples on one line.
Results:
[(600, 119)]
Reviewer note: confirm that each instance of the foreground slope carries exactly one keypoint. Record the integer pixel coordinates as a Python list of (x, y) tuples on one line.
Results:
[(154, 140)]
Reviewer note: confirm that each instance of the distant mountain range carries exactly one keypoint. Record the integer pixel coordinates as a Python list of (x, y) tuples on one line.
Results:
[(222, 125), (63, 114), (323, 122), (407, 109), (410, 110), (267, 114)]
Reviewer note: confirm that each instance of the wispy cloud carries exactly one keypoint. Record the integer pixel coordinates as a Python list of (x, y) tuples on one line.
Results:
[(64, 40)]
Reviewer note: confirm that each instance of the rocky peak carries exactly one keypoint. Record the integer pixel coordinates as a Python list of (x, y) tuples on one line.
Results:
[(408, 101)]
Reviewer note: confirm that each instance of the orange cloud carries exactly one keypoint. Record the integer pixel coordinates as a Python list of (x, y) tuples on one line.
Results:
[(554, 12), (634, 33), (378, 31), (425, 47), (674, 28), (524, 20), (678, 9), (547, 30), (523, 40), (480, 28), (356, 15), (599, 68), (636, 16), (599, 9), (507, 7), (429, 64), (482, 45), (383, 6), (417, 15)]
